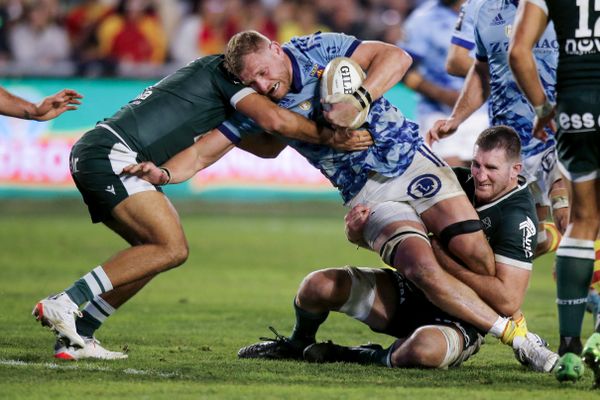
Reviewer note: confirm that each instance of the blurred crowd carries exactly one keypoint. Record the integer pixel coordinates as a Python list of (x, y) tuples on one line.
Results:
[(150, 38)]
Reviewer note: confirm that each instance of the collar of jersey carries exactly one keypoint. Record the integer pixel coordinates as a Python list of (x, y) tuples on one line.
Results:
[(296, 76), (522, 184)]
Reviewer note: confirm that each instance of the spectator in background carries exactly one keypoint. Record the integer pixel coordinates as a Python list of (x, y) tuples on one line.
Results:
[(427, 38), (300, 19), (82, 22), (132, 36), (344, 16), (38, 42)]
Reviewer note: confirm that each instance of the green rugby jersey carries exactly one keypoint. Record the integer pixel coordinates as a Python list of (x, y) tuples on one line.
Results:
[(577, 25), (510, 222), (170, 115)]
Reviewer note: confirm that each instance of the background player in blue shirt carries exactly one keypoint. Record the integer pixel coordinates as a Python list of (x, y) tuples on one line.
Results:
[(437, 90)]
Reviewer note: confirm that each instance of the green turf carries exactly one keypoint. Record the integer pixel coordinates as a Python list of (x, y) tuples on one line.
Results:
[(184, 329)]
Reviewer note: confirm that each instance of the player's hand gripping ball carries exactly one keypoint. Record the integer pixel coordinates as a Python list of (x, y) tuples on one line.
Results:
[(341, 78)]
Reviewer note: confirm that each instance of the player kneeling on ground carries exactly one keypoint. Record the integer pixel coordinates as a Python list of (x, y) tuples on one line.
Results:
[(388, 302)]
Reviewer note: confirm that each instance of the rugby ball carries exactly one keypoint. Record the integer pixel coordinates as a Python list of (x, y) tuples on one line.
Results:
[(342, 76)]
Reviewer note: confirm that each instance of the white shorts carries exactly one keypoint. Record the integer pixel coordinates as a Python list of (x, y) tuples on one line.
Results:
[(427, 181), (460, 144), (541, 172)]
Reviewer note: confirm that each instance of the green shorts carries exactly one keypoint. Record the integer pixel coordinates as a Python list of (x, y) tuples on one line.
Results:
[(96, 162), (578, 136)]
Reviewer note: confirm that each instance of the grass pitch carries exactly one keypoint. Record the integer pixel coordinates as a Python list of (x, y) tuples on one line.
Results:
[(183, 330)]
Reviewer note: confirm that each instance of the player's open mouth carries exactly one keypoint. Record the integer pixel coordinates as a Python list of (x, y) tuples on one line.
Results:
[(274, 88)]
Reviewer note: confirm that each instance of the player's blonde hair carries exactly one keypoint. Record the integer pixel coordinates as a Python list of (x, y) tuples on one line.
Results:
[(239, 46)]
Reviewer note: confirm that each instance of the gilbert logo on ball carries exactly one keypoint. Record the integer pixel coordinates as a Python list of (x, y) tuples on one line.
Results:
[(341, 78)]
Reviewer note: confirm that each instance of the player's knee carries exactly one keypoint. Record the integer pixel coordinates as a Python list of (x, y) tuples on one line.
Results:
[(424, 350), (322, 285), (176, 254)]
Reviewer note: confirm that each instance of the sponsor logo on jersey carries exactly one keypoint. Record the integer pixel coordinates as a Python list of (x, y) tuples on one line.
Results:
[(578, 122), (317, 71), (578, 47), (487, 223), (498, 20), (110, 189), (73, 164), (529, 231), (424, 186)]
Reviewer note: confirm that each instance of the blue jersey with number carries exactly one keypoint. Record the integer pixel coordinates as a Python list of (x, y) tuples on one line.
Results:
[(395, 138), (429, 49), (508, 106)]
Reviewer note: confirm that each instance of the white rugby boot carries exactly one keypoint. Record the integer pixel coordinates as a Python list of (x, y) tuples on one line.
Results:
[(92, 349), (59, 312), (535, 355)]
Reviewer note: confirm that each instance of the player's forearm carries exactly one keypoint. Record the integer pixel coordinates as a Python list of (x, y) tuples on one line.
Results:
[(474, 93), (525, 72), (497, 293), (529, 26), (208, 149), (14, 106), (275, 119)]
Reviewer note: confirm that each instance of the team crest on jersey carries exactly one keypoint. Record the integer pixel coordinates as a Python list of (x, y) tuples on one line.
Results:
[(508, 30), (424, 186), (529, 231), (305, 105)]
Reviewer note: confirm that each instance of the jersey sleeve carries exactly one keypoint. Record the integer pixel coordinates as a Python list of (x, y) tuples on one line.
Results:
[(480, 51), (516, 238), (234, 91), (541, 4), (463, 34), (237, 126)]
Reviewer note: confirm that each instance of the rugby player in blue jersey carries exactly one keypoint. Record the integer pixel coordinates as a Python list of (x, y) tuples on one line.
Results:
[(485, 26)]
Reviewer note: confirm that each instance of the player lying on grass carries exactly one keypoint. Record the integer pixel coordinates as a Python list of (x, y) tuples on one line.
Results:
[(388, 302), (166, 118), (398, 161)]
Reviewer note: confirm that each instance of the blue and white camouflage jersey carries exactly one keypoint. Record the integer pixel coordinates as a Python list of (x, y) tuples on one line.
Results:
[(429, 49), (395, 138), (508, 106)]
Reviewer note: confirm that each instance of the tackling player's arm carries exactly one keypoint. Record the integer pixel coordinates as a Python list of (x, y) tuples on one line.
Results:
[(530, 24), (273, 118), (504, 292), (203, 153)]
